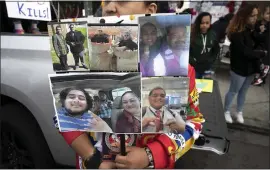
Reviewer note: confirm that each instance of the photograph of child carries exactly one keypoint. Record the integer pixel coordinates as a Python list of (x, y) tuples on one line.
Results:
[(69, 46), (97, 102), (113, 48), (162, 101), (164, 45)]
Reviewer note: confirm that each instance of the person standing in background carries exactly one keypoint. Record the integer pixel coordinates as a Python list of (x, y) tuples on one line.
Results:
[(241, 34), (75, 39), (219, 27), (262, 33), (204, 47), (60, 47)]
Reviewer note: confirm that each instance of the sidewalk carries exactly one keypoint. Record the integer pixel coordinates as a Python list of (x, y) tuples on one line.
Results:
[(256, 109)]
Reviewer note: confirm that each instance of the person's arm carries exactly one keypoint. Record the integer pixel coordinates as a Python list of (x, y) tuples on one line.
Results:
[(238, 40), (192, 59), (258, 35), (78, 140), (178, 144), (215, 49), (68, 40), (80, 143), (82, 38)]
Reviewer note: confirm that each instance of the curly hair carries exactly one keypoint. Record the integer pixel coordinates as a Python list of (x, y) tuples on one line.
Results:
[(239, 21), (196, 26), (63, 95)]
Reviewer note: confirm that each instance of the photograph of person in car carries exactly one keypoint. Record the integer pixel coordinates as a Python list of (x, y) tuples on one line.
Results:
[(74, 113), (160, 97), (129, 120), (113, 48), (69, 46), (90, 102), (165, 45)]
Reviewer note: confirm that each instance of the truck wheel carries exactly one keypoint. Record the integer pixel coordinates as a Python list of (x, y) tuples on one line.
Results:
[(22, 142)]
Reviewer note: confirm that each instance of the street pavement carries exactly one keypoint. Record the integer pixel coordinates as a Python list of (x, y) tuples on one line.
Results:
[(247, 151)]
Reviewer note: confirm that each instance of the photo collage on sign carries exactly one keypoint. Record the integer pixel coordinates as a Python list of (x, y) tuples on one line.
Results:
[(127, 78), (97, 102)]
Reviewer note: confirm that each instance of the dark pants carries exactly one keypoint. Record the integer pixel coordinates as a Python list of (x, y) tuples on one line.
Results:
[(63, 62), (77, 57)]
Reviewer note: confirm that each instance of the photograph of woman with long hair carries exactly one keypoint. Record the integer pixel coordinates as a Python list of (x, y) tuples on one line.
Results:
[(74, 113), (129, 121)]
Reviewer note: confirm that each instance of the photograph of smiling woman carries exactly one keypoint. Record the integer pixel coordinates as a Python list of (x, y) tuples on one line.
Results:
[(74, 113), (129, 120)]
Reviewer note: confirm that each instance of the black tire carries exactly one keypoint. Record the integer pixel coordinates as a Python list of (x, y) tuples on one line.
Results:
[(19, 123)]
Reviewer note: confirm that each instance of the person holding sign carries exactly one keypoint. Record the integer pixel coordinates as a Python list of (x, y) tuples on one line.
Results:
[(151, 150), (158, 118), (157, 151)]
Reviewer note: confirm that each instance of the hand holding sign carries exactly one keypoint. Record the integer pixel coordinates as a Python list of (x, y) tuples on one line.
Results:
[(136, 158)]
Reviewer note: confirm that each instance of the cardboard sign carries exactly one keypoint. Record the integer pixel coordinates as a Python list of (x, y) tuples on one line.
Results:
[(204, 85), (29, 10)]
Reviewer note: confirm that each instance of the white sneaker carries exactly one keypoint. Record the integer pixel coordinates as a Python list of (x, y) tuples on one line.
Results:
[(228, 117), (239, 117)]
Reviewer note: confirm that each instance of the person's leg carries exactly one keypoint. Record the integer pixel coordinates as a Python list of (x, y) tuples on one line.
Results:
[(18, 28), (62, 62), (34, 28), (241, 98), (66, 64), (76, 59), (235, 85), (81, 54)]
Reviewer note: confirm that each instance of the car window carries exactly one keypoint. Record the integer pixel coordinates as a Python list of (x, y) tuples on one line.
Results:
[(119, 92)]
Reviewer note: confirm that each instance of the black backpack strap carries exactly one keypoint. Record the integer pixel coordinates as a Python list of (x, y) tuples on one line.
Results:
[(171, 112), (143, 111)]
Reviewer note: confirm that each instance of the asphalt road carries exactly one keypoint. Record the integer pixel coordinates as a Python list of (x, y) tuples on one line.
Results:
[(247, 151)]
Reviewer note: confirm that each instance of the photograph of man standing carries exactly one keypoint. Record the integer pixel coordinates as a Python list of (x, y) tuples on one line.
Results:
[(75, 39), (60, 47)]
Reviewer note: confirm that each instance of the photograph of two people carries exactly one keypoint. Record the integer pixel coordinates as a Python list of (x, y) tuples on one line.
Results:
[(69, 46)]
